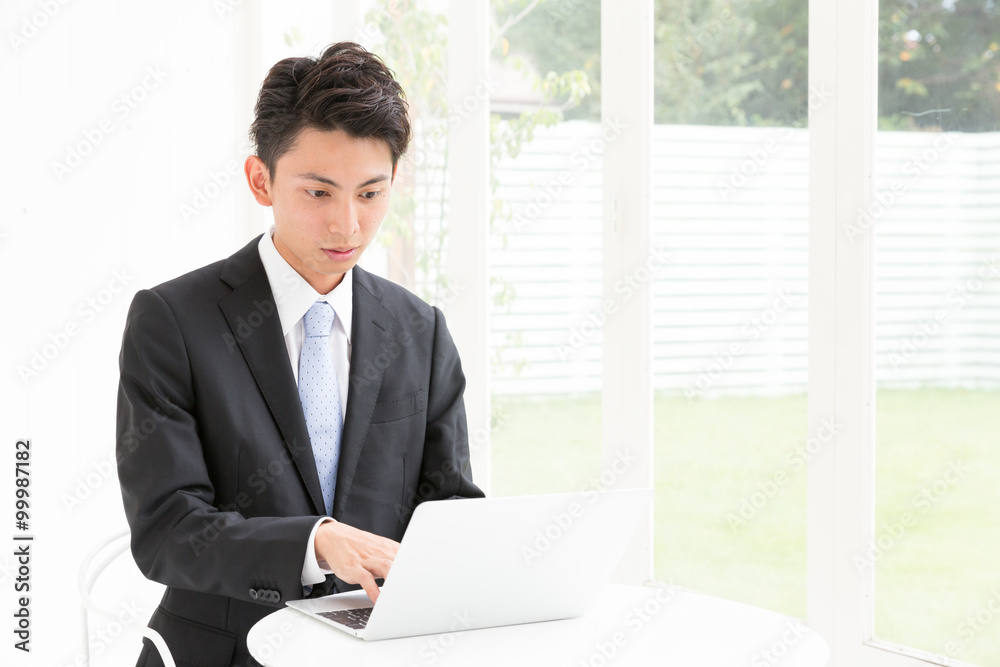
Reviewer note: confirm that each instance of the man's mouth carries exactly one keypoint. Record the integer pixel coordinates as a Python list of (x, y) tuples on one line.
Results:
[(339, 254)]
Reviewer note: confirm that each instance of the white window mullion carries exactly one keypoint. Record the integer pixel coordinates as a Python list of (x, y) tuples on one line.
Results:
[(469, 217), (843, 77), (626, 397), (842, 71)]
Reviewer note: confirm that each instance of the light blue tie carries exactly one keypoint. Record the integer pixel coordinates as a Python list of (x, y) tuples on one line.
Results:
[(319, 392)]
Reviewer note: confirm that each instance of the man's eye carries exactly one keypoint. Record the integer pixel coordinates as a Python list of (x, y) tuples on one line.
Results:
[(371, 195), (316, 193)]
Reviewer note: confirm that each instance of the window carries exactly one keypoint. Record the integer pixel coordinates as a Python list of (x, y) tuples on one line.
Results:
[(730, 303), (937, 244), (546, 323)]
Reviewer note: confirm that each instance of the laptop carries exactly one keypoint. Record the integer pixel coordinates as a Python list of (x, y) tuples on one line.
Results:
[(482, 562)]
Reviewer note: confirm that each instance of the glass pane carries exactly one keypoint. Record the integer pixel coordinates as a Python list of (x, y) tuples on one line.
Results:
[(937, 224), (412, 39), (730, 331), (546, 246)]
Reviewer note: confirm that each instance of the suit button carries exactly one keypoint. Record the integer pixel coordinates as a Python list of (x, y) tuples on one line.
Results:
[(253, 594)]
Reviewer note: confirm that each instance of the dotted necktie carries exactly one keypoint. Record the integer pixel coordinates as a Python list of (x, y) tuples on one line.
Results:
[(319, 392)]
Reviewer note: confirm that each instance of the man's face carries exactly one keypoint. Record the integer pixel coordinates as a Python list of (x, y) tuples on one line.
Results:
[(329, 194)]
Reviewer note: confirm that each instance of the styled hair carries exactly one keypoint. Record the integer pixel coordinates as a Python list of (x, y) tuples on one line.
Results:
[(347, 88)]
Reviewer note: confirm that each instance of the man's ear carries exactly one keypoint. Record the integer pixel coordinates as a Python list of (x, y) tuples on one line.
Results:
[(259, 179), (393, 179)]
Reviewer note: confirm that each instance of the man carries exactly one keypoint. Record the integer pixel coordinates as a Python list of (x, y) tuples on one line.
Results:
[(282, 412)]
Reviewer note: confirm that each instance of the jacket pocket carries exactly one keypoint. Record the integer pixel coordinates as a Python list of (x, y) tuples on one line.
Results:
[(394, 410), (193, 644)]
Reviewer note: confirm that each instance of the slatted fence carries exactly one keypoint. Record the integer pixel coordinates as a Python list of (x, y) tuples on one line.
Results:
[(730, 303)]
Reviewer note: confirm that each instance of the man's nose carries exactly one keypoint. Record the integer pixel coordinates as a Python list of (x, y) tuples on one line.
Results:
[(344, 221)]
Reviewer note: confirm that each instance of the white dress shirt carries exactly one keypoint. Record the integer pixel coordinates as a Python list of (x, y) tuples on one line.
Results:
[(293, 297)]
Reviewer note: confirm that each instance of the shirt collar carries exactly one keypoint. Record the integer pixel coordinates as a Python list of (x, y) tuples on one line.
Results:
[(293, 296)]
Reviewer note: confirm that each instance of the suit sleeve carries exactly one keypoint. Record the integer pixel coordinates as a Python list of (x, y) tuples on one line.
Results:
[(179, 537), (446, 471)]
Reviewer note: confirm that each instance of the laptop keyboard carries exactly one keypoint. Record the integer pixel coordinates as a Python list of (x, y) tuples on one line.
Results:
[(356, 619)]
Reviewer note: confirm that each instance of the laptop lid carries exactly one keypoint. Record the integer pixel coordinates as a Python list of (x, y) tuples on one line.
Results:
[(485, 562)]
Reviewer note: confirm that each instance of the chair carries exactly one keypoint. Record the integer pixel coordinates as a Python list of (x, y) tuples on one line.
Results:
[(94, 564)]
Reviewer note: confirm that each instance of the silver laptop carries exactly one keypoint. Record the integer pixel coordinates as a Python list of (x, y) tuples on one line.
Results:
[(479, 563)]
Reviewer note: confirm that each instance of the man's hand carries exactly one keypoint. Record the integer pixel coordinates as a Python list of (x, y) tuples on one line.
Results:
[(356, 556)]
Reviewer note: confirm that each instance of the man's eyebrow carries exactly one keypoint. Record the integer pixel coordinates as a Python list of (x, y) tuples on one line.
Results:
[(323, 179)]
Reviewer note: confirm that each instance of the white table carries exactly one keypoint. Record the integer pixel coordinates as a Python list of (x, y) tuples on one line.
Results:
[(631, 625)]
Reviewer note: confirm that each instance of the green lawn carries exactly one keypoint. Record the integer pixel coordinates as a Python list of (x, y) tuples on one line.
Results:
[(717, 457)]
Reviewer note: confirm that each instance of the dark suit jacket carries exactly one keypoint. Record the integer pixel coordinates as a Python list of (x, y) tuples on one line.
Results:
[(217, 474)]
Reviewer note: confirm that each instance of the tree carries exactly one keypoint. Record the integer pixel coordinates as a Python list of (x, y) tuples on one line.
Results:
[(717, 62), (939, 65), (745, 62), (413, 41)]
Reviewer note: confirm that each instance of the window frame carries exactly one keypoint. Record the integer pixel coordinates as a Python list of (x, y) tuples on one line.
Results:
[(841, 386)]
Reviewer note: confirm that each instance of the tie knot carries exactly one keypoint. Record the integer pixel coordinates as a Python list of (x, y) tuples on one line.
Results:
[(319, 319)]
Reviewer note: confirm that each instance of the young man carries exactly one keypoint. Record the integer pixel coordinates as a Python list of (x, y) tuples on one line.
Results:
[(282, 412)]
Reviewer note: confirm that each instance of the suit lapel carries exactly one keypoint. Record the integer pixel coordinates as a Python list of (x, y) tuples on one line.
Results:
[(254, 323), (371, 334)]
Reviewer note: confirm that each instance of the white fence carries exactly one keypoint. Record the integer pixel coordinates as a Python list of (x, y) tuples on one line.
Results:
[(730, 209)]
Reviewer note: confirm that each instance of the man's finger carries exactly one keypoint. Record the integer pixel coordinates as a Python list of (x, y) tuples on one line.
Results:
[(367, 582), (379, 567)]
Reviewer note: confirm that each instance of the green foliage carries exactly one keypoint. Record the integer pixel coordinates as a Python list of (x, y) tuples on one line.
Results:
[(414, 43), (717, 62), (939, 64), (745, 62), (558, 37), (731, 63), (563, 90)]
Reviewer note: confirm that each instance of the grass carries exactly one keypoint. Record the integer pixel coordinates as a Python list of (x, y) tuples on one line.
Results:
[(730, 507)]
